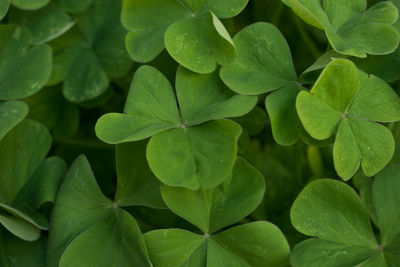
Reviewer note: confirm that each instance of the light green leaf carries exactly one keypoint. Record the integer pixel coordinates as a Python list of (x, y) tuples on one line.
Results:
[(386, 202), (318, 252), (11, 113), (350, 29), (224, 8), (29, 4), (45, 24), (204, 97), (193, 157), (114, 241), (20, 227), (264, 62), (211, 210), (22, 151), (332, 211), (281, 107), (150, 108), (4, 5), (200, 43), (255, 244), (79, 204), (147, 22), (136, 185), (345, 95), (20, 75)]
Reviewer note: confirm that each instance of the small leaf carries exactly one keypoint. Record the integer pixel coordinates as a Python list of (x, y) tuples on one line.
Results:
[(213, 209), (181, 157), (225, 8), (75, 6), (11, 113), (264, 62), (20, 75), (20, 227), (4, 5), (29, 4), (200, 43)]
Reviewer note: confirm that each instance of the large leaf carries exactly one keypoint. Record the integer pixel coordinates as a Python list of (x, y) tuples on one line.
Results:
[(211, 210), (352, 30), (45, 24), (81, 203), (11, 113), (193, 157), (254, 244), (347, 100), (137, 185), (20, 75)]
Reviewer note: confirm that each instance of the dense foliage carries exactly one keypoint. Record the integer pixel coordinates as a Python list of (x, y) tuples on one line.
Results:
[(216, 133)]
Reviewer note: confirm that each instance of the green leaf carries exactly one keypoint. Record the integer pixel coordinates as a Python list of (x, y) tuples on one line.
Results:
[(350, 29), (264, 62), (45, 24), (4, 5), (11, 113), (200, 43), (81, 203), (204, 97), (150, 108), (22, 151), (224, 8), (281, 107), (193, 157), (75, 6), (20, 227), (386, 202), (332, 211), (136, 185), (29, 4), (349, 100), (211, 210), (116, 240), (20, 75), (254, 244), (15, 252), (147, 22)]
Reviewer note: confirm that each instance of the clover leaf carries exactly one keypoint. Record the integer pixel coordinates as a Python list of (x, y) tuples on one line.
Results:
[(4, 5), (20, 75), (211, 210), (88, 56), (94, 223), (332, 212), (350, 102), (75, 6), (27, 179), (44, 24), (178, 136), (350, 28), (11, 113), (192, 34), (29, 4), (264, 64)]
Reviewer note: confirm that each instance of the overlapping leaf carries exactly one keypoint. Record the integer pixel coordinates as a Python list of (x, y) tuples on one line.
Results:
[(333, 212), (350, 28), (205, 152), (190, 31), (211, 210), (264, 64), (82, 212), (27, 180), (89, 55), (20, 74), (349, 102), (11, 113)]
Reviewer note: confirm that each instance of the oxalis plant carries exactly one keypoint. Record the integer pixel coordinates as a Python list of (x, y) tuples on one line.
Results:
[(196, 133)]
